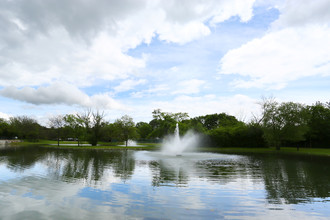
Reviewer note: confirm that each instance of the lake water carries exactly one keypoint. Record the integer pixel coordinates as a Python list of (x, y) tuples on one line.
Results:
[(43, 183)]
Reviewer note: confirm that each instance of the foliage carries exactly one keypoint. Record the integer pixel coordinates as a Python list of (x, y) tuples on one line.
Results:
[(24, 127), (213, 121), (281, 124), (75, 124), (4, 129), (125, 128), (285, 122), (319, 125), (164, 123), (143, 129), (91, 121), (237, 136), (57, 122)]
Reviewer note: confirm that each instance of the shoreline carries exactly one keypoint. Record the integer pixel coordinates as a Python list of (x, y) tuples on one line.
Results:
[(153, 146)]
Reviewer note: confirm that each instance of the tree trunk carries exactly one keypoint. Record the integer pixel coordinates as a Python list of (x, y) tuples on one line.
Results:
[(58, 137)]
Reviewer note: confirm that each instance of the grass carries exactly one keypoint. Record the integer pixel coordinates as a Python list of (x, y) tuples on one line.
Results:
[(283, 150), (74, 145), (153, 146)]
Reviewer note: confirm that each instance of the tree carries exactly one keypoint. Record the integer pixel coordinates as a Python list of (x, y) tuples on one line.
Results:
[(319, 124), (97, 120), (76, 125), (163, 123), (295, 119), (178, 117), (24, 127), (143, 129), (125, 128), (4, 129), (285, 122), (216, 120), (92, 122), (57, 122)]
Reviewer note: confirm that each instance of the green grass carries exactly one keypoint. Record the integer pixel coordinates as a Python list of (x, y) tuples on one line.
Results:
[(153, 146), (74, 145), (283, 150)]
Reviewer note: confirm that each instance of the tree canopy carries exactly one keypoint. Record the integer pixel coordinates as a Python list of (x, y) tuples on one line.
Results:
[(280, 125)]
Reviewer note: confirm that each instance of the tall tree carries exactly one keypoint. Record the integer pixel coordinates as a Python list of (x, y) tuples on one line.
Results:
[(92, 122), (126, 128), (163, 123), (57, 122), (25, 127), (285, 122), (76, 125), (4, 129), (213, 121), (143, 129), (319, 124), (97, 120)]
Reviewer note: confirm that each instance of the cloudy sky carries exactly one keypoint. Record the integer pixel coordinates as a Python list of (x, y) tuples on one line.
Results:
[(134, 56)]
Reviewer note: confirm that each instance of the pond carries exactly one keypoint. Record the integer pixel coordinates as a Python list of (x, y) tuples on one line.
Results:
[(47, 183)]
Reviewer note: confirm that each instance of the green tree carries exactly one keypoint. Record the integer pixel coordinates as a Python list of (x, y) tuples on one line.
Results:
[(76, 125), (4, 129), (97, 122), (57, 122), (216, 120), (164, 123), (285, 122), (143, 129), (92, 121), (125, 128), (24, 127), (319, 125)]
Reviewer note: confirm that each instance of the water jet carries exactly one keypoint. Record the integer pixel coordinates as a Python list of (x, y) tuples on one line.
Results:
[(177, 146)]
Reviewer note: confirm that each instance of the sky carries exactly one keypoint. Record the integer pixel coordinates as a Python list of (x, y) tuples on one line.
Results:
[(130, 57)]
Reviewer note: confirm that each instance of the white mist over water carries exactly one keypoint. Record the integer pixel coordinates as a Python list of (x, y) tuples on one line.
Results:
[(131, 143), (176, 145)]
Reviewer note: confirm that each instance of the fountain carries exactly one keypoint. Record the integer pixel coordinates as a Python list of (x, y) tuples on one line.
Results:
[(176, 145), (131, 143)]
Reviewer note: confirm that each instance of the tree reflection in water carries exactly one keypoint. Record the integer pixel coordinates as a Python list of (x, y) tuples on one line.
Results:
[(286, 180), (68, 165)]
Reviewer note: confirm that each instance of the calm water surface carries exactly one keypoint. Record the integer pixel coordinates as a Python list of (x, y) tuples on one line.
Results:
[(43, 183)]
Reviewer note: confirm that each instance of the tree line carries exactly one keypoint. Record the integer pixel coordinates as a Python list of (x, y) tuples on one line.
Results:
[(279, 125)]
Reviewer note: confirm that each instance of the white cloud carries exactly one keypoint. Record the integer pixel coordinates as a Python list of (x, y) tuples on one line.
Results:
[(238, 105), (60, 93), (84, 42), (192, 86), (181, 34), (4, 115), (296, 46), (305, 12), (128, 85), (156, 90), (280, 57)]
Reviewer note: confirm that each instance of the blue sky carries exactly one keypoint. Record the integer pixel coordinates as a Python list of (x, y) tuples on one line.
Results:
[(131, 57)]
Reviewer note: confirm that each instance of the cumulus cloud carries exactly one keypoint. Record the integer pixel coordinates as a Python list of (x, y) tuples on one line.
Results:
[(128, 85), (4, 115), (82, 42), (296, 46), (192, 86), (305, 12), (238, 105), (60, 93), (280, 57), (155, 90)]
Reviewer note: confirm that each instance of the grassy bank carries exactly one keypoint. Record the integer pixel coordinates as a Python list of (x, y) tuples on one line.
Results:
[(284, 150), (153, 146), (74, 145)]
